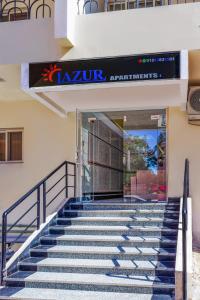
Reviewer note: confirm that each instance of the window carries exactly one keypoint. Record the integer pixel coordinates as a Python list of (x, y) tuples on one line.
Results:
[(14, 17), (11, 145)]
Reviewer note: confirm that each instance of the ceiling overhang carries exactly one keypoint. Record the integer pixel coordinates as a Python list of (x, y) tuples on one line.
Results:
[(113, 95)]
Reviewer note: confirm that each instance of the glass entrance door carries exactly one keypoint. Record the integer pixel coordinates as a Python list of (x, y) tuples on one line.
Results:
[(145, 168), (102, 156), (123, 153)]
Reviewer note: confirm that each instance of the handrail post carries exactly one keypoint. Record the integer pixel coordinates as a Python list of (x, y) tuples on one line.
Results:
[(44, 202), (38, 191), (3, 246), (78, 6), (66, 179), (75, 180), (38, 207), (185, 227), (105, 5), (1, 15)]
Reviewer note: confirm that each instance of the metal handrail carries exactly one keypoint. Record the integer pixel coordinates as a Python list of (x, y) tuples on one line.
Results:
[(92, 6), (41, 198), (185, 227), (14, 10)]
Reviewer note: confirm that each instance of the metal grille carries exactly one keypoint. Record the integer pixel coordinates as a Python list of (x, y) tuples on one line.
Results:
[(15, 10), (95, 6), (195, 100)]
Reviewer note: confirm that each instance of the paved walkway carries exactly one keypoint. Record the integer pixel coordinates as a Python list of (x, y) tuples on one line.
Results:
[(196, 274)]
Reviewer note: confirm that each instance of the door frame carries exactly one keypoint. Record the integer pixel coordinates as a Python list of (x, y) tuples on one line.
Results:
[(79, 146)]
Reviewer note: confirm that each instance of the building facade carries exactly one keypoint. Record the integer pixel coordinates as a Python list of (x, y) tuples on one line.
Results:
[(104, 84), (65, 31)]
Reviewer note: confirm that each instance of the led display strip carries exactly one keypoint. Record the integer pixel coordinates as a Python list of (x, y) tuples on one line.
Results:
[(103, 70)]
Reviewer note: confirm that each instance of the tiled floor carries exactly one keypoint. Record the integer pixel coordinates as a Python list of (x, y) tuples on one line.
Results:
[(196, 274)]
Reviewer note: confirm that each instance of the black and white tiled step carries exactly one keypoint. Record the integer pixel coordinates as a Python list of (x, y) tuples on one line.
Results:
[(108, 240), (95, 252), (95, 266), (89, 282), (113, 230), (103, 249), (55, 294), (124, 221), (120, 206), (121, 213)]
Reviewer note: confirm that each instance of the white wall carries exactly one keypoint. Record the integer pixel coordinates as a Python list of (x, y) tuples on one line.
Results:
[(28, 41), (126, 95), (65, 15), (133, 31), (184, 142), (48, 141)]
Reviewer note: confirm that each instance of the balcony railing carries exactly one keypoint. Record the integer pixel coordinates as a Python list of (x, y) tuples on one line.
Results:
[(93, 6), (15, 10)]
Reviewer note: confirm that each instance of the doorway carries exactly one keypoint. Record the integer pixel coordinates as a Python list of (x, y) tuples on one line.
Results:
[(123, 154)]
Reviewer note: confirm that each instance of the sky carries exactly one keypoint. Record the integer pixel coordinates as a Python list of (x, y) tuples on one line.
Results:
[(149, 135)]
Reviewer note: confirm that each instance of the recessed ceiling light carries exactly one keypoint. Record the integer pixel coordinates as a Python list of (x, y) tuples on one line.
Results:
[(125, 118)]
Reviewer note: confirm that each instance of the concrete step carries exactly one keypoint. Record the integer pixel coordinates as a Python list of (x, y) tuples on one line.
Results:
[(89, 282), (127, 199), (58, 294), (95, 252), (112, 230), (120, 206), (96, 266), (121, 213), (120, 221), (108, 240), (102, 250)]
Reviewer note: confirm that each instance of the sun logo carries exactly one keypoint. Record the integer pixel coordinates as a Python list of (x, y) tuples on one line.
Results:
[(49, 73)]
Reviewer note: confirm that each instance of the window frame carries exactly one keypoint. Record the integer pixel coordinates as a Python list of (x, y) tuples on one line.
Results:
[(8, 16), (6, 131)]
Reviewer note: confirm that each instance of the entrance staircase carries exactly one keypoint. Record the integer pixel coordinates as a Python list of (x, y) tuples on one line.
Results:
[(104, 250)]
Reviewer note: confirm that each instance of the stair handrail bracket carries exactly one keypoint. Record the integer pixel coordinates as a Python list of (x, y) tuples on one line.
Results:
[(185, 227), (40, 194), (186, 236)]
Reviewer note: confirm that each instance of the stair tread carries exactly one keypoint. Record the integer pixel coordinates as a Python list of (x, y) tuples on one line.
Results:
[(100, 203), (52, 294), (70, 263), (124, 211), (118, 219), (106, 250), (98, 279), (96, 263), (112, 227), (111, 238)]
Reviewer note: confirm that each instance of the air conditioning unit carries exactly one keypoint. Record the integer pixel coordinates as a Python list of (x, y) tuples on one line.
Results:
[(193, 105)]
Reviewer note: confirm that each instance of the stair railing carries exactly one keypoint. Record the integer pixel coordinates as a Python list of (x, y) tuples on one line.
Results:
[(184, 227), (56, 185)]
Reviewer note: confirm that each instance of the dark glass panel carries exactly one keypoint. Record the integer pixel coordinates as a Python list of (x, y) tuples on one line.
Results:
[(14, 146)]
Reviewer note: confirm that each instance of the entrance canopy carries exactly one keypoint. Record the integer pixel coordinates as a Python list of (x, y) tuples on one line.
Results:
[(129, 82)]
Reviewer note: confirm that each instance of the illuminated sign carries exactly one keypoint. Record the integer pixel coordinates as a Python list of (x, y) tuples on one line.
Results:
[(103, 70)]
